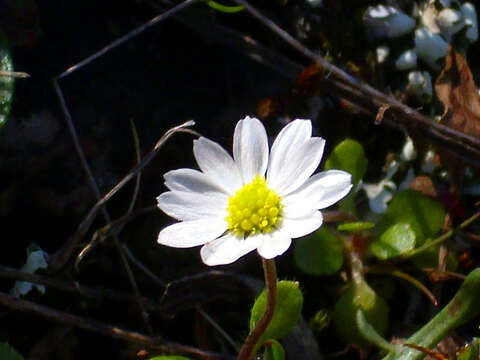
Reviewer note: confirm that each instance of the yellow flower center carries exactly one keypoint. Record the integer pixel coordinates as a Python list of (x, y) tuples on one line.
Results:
[(254, 209)]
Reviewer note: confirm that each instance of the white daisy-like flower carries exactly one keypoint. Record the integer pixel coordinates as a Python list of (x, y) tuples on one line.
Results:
[(254, 200)]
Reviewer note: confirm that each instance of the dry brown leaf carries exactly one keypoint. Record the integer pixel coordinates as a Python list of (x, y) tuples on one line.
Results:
[(457, 91), (425, 185), (381, 113)]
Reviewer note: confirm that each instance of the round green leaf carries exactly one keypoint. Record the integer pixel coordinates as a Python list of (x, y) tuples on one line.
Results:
[(425, 215), (6, 82), (320, 253), (9, 353), (354, 227), (273, 350), (348, 156), (287, 310), (397, 240), (359, 296)]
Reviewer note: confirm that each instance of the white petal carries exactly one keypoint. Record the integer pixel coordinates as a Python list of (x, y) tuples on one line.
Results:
[(228, 249), (291, 137), (320, 191), (250, 148), (217, 164), (189, 180), (430, 47), (299, 164), (296, 228), (192, 233), (274, 244), (191, 206)]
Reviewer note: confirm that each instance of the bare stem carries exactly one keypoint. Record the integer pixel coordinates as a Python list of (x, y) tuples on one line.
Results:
[(270, 272)]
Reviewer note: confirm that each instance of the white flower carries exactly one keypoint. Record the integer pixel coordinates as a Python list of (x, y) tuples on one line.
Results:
[(407, 60), (420, 84), (379, 194), (470, 16), (382, 53), (408, 151), (450, 22), (387, 21), (253, 201)]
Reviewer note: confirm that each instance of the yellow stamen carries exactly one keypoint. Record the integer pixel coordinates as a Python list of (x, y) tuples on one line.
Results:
[(254, 209)]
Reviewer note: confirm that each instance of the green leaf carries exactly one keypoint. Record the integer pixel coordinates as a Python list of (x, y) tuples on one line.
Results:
[(471, 351), (6, 82), (354, 227), (170, 357), (348, 156), (273, 350), (464, 306), (370, 334), (320, 253), (425, 215), (224, 8), (359, 296), (287, 310), (9, 353), (397, 240)]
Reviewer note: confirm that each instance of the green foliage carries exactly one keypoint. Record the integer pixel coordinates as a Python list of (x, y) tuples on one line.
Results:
[(463, 307), (398, 239), (471, 351), (287, 310), (273, 350), (9, 353), (349, 156), (320, 253), (6, 82), (170, 357), (370, 334), (425, 215), (354, 227), (359, 296), (320, 320), (224, 8)]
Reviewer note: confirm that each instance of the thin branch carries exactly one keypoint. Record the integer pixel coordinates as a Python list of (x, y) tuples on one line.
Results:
[(96, 191), (417, 284), (60, 258), (106, 329), (439, 239), (368, 90), (127, 37), (217, 327), (83, 160), (142, 267), (73, 288)]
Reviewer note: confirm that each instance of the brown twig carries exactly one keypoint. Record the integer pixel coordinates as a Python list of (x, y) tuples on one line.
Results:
[(96, 191), (74, 288), (108, 330), (137, 31), (83, 160), (60, 258), (250, 344), (438, 131)]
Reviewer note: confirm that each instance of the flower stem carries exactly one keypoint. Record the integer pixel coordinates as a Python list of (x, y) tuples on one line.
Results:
[(250, 344)]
